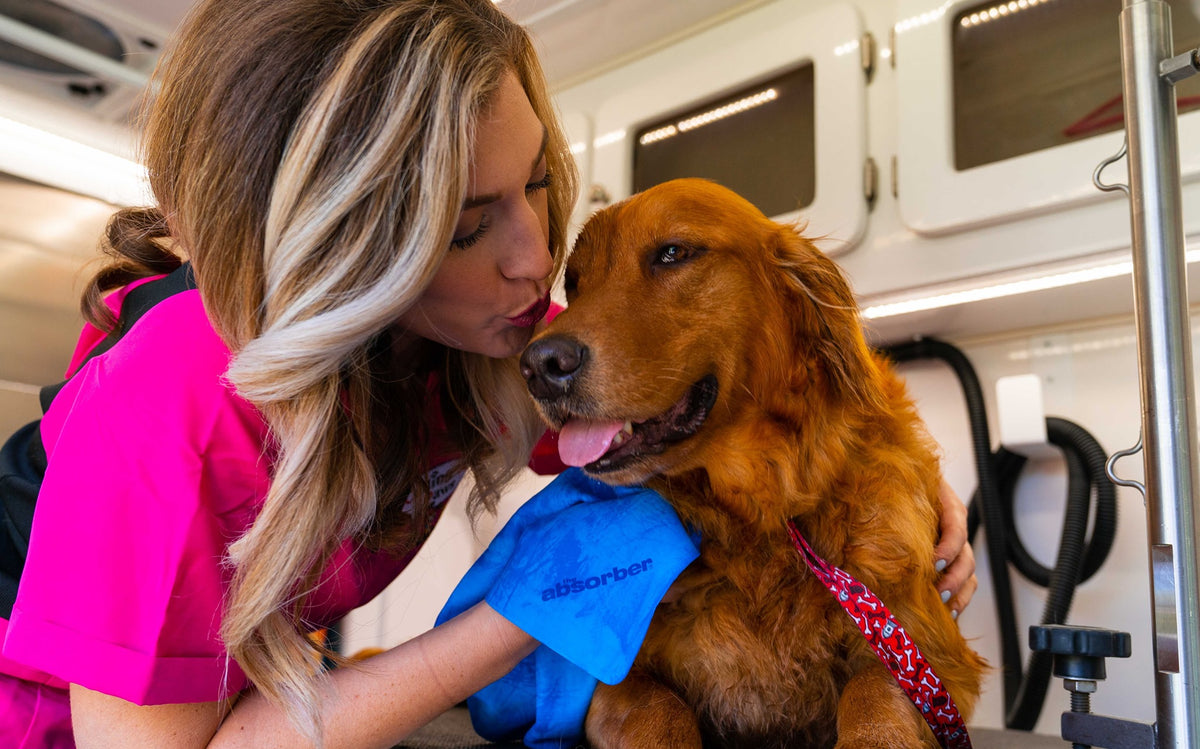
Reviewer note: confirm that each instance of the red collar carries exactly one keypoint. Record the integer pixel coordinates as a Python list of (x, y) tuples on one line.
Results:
[(892, 644)]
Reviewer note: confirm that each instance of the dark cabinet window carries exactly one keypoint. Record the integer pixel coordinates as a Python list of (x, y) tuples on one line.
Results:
[(758, 141)]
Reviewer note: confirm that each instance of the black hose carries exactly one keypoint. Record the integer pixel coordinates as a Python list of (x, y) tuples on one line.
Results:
[(1073, 440), (1078, 559)]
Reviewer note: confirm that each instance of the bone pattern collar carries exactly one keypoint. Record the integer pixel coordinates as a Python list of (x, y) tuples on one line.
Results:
[(892, 644)]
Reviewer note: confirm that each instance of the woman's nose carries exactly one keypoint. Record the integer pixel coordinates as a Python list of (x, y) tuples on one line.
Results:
[(527, 255)]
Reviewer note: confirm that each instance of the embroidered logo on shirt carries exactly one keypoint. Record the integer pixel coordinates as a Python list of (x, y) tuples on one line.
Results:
[(443, 480), (570, 585)]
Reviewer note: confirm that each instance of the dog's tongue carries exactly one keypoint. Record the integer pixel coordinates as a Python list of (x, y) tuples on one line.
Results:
[(581, 442)]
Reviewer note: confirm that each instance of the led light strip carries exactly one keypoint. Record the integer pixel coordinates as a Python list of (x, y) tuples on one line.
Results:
[(1009, 288), (706, 118), (997, 12)]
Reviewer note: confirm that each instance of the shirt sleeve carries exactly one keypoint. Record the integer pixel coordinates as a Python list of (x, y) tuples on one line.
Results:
[(545, 460), (155, 466)]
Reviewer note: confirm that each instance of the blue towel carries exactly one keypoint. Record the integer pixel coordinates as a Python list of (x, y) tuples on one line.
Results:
[(580, 567)]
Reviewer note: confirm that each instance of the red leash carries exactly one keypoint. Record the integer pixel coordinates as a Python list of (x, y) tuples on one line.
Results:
[(893, 646)]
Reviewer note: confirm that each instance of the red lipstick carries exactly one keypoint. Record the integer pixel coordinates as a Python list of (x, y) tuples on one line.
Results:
[(534, 314)]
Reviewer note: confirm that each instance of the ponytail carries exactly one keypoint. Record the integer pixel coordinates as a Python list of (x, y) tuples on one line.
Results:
[(133, 240)]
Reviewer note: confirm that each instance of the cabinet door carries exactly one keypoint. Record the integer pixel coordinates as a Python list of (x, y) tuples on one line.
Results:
[(1006, 108), (775, 111)]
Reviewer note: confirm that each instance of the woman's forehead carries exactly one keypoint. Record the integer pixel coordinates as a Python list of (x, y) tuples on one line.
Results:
[(510, 140)]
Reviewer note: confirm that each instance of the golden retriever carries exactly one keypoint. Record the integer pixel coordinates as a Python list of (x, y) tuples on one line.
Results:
[(718, 357)]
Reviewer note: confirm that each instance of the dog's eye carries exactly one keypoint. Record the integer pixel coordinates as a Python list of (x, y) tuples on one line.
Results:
[(570, 282), (671, 253)]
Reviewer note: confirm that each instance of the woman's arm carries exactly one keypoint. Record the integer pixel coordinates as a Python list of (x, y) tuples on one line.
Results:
[(374, 705)]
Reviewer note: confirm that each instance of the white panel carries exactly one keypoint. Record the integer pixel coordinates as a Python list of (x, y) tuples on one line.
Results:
[(724, 59), (1022, 415), (62, 146)]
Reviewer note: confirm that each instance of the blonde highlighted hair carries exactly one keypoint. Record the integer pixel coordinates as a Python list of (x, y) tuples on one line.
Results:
[(310, 158)]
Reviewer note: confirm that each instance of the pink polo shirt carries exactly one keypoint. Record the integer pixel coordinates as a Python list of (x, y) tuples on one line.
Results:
[(155, 467)]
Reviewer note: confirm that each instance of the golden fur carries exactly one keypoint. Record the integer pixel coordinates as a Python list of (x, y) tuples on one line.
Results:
[(808, 423)]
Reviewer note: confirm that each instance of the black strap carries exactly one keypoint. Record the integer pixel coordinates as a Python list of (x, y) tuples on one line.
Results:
[(137, 303)]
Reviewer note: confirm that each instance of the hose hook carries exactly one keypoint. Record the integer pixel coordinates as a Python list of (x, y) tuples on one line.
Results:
[(1110, 467), (1105, 187)]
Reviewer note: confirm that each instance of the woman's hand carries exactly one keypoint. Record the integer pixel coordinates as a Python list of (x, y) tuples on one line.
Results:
[(955, 558)]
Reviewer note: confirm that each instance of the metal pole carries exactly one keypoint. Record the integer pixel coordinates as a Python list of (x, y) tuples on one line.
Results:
[(1165, 363)]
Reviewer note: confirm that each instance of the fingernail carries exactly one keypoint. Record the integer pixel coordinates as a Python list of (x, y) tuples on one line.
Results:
[(945, 596), (954, 615), (940, 566)]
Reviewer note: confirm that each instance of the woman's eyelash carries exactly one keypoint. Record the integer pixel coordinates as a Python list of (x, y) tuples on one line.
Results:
[(465, 242), (541, 184)]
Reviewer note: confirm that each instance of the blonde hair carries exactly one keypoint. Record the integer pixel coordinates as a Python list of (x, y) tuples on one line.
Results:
[(310, 158)]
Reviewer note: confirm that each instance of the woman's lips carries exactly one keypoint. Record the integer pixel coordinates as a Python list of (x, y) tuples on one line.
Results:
[(534, 314)]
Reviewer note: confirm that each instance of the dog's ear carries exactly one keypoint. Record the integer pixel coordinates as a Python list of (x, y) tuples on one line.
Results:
[(825, 319)]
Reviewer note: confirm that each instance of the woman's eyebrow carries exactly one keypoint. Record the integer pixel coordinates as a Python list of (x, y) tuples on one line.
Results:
[(492, 197)]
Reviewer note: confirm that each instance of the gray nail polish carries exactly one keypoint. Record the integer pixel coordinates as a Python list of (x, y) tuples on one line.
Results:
[(945, 596), (940, 566)]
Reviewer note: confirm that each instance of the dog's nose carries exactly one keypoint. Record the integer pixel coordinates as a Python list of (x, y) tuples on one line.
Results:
[(550, 365)]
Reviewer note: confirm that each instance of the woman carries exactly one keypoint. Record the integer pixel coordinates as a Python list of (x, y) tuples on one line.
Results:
[(373, 197)]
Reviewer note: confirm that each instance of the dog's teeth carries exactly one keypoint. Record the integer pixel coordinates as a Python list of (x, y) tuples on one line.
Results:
[(622, 436)]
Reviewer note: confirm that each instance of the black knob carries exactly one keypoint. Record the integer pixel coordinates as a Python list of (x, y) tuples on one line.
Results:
[(1079, 652)]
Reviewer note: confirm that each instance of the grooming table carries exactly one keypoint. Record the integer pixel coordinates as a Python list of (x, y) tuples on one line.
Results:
[(452, 730)]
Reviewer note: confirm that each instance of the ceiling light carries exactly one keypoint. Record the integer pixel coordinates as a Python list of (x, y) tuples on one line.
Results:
[(607, 139), (34, 154)]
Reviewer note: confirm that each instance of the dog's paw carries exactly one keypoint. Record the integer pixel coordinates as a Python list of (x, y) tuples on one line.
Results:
[(644, 729), (883, 742), (640, 713)]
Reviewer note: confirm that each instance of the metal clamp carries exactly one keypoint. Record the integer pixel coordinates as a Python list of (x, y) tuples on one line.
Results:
[(1180, 67)]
